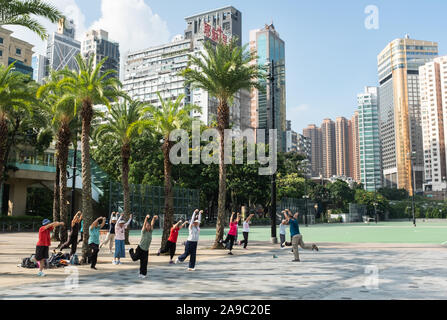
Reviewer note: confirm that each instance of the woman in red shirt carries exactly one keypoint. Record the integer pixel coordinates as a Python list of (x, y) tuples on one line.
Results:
[(171, 244), (43, 245), (231, 237)]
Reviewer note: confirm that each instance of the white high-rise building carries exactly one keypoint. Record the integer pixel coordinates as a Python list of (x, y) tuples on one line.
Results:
[(156, 70), (433, 93)]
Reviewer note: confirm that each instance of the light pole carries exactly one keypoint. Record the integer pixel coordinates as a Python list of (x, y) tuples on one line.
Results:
[(412, 157), (306, 211)]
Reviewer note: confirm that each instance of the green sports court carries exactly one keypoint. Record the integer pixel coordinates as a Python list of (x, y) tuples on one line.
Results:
[(428, 232)]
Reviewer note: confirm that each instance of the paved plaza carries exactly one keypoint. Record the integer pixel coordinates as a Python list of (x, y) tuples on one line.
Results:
[(341, 271)]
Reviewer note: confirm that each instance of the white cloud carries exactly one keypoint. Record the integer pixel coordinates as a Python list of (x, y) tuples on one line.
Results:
[(131, 23)]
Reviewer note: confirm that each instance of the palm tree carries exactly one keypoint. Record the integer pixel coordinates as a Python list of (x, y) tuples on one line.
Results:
[(62, 111), (223, 70), (123, 116), (14, 97), (169, 117), (88, 87), (19, 12)]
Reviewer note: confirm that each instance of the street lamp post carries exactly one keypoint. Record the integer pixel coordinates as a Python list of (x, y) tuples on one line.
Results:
[(412, 157), (306, 211), (273, 178)]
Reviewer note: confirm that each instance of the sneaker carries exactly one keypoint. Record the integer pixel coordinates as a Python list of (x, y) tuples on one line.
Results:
[(296, 260), (41, 274), (178, 261), (113, 262), (119, 262), (158, 253), (191, 269), (142, 276), (315, 247), (171, 262), (94, 268), (230, 253), (283, 248)]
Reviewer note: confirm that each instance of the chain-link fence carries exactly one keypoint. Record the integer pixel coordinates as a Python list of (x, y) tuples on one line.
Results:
[(303, 206), (145, 199)]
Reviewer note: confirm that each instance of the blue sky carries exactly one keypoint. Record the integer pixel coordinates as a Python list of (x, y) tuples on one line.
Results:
[(330, 55)]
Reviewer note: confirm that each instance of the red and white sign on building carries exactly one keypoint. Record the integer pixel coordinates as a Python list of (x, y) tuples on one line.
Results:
[(214, 34)]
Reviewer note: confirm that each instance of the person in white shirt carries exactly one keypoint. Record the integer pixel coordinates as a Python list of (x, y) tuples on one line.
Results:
[(246, 230), (120, 236), (110, 239), (193, 239)]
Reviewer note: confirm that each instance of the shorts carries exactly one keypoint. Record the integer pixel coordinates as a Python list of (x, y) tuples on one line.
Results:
[(42, 252)]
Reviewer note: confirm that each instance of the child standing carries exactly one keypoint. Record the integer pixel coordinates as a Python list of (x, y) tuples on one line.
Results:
[(246, 230), (120, 236), (172, 241), (142, 251), (43, 245), (193, 239), (93, 240)]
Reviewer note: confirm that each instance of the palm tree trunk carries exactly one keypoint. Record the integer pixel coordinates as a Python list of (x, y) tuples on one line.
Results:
[(125, 156), (223, 116), (169, 198), (87, 209), (62, 146), (56, 199)]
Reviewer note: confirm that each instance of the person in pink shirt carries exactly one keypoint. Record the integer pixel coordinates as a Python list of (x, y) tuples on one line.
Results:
[(231, 237)]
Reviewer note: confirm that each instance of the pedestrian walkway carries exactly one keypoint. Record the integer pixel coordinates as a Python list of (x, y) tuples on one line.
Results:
[(338, 271)]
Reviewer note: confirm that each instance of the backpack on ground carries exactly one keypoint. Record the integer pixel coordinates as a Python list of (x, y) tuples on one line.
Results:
[(27, 263), (74, 260)]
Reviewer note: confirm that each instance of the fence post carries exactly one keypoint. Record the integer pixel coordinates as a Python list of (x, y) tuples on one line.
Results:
[(18, 228)]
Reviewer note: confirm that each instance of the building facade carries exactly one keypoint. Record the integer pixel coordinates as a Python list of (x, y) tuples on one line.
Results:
[(156, 70), (400, 112), (433, 93), (369, 139), (329, 148), (13, 50), (97, 42), (269, 47), (62, 49), (354, 147), (342, 146), (313, 134)]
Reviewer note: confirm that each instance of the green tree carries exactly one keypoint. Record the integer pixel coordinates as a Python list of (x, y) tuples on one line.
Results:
[(223, 70), (20, 12), (171, 116), (341, 194), (62, 111), (291, 186), (88, 87), (123, 116)]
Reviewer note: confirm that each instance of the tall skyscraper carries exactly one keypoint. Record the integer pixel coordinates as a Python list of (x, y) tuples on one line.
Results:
[(313, 133), (433, 93), (329, 148), (62, 49), (269, 47), (14, 50), (400, 120), (157, 69), (369, 139), (342, 146), (97, 42), (354, 148)]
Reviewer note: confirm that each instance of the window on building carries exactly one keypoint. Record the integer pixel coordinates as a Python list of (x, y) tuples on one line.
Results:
[(18, 51)]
